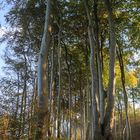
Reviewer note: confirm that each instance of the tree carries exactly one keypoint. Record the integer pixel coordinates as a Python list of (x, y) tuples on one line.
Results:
[(74, 85), (42, 77)]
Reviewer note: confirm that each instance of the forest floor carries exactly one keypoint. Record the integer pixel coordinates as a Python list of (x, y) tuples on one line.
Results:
[(135, 128)]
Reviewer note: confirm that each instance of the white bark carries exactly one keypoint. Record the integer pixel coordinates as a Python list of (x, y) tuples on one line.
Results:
[(42, 76)]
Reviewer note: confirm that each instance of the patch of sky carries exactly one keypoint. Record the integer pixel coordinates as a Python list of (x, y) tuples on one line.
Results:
[(4, 8)]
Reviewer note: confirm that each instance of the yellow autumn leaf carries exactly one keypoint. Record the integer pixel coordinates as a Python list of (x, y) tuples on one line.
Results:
[(131, 79)]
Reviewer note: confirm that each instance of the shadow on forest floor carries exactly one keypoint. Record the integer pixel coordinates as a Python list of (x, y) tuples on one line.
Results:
[(135, 128)]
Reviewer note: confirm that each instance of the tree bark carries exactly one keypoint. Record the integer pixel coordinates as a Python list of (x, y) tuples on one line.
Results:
[(59, 88), (25, 93), (42, 78), (93, 73), (109, 113), (128, 129), (133, 100), (51, 88)]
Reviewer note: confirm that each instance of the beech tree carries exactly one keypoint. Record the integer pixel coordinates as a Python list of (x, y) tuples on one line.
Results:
[(62, 59)]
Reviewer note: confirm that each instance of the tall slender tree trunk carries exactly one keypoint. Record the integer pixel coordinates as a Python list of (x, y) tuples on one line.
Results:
[(25, 95), (120, 121), (81, 104), (51, 87), (32, 119), (84, 116), (99, 66), (109, 113), (14, 132), (21, 116), (134, 108), (70, 99), (93, 75), (75, 123), (59, 89), (70, 96), (42, 78), (128, 129)]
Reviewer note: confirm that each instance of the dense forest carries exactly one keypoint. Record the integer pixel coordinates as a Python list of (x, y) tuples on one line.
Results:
[(72, 70)]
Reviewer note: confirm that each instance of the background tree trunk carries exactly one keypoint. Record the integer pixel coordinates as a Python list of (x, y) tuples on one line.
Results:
[(128, 129)]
